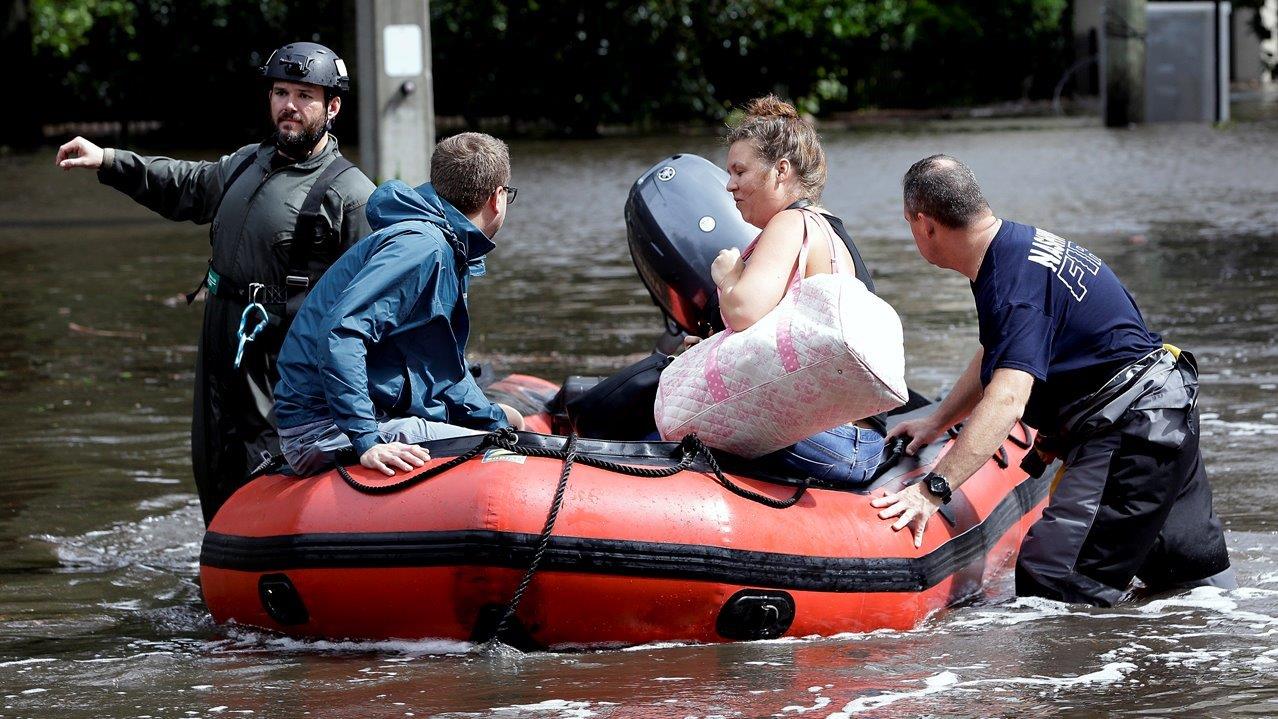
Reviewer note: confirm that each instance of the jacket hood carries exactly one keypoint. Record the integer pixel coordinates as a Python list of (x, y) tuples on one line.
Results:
[(396, 202)]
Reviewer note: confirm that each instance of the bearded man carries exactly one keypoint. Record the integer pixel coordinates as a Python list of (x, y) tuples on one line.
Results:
[(281, 211)]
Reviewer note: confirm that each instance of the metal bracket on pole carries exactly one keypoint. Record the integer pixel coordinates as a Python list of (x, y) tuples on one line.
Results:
[(397, 104)]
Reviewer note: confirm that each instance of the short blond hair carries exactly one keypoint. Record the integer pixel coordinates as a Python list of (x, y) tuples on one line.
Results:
[(466, 169)]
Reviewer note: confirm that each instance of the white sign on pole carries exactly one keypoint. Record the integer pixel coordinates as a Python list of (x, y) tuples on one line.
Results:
[(402, 50)]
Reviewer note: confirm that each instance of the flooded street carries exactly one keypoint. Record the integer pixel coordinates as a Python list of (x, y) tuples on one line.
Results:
[(100, 613)]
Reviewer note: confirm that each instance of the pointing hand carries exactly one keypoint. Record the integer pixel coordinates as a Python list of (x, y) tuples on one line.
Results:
[(79, 153)]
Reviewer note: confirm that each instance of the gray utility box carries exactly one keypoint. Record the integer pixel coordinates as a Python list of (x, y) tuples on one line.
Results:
[(1187, 62)]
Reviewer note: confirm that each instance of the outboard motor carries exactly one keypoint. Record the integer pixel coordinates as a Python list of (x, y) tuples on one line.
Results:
[(678, 217)]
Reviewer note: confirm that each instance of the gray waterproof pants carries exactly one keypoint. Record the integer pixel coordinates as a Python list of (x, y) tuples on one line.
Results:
[(312, 448), (1133, 500)]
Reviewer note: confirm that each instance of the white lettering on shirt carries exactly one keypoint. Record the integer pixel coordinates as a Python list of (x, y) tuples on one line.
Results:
[(1071, 263)]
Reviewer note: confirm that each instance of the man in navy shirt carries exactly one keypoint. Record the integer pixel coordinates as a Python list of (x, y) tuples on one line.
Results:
[(1064, 346)]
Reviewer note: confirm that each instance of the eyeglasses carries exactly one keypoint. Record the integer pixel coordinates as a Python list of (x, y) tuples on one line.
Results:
[(511, 193)]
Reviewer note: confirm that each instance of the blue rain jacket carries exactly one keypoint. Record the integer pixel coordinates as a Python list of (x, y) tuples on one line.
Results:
[(383, 333)]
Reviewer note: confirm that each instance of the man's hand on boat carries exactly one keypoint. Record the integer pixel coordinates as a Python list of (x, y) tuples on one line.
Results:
[(388, 457), (913, 505), (391, 456), (79, 153)]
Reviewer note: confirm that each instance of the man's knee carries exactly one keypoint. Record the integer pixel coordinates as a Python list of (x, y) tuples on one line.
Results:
[(1063, 584), (312, 451), (415, 430)]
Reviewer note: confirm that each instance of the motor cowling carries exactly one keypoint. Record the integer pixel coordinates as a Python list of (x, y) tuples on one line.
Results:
[(678, 217)]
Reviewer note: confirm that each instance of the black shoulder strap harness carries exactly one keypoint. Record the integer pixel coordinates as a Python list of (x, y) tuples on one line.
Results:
[(243, 165), (308, 231), (235, 175)]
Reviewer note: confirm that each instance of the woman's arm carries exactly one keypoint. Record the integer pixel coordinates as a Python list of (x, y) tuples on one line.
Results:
[(747, 293)]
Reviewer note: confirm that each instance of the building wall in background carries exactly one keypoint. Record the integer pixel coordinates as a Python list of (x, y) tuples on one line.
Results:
[(1252, 58)]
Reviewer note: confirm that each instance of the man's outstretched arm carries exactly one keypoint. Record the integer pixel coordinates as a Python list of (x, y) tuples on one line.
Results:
[(177, 189)]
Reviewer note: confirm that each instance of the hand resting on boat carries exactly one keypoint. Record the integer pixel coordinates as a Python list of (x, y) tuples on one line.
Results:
[(388, 457)]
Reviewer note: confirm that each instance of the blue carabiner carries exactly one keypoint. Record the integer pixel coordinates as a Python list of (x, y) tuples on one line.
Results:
[(252, 335)]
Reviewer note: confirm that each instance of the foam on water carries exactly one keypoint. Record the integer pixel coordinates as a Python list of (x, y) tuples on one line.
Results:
[(818, 704), (166, 541), (556, 707), (931, 685), (655, 646), (23, 662), (1223, 603), (245, 639), (1018, 611), (950, 681)]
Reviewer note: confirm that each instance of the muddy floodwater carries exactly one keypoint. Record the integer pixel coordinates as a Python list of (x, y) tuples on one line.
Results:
[(100, 612)]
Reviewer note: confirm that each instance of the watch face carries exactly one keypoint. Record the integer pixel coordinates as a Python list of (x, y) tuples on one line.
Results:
[(938, 486)]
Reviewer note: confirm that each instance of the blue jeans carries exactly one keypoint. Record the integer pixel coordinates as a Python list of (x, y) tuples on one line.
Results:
[(847, 454)]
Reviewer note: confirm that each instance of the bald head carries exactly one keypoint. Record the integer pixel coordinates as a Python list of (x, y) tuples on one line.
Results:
[(944, 189)]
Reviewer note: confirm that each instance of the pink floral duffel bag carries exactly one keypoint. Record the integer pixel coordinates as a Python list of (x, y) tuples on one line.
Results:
[(831, 352)]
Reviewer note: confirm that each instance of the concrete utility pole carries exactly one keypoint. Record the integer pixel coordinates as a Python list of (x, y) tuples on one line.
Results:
[(1124, 53), (396, 96)]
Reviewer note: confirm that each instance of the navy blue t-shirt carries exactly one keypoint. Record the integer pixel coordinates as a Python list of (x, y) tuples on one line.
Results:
[(1051, 308)]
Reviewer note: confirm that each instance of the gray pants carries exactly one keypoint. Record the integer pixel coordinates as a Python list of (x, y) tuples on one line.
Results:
[(1132, 501), (311, 448)]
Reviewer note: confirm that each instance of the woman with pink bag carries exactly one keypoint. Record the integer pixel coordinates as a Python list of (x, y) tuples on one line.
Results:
[(776, 172)]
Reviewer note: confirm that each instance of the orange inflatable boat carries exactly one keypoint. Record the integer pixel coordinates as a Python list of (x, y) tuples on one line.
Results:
[(555, 541)]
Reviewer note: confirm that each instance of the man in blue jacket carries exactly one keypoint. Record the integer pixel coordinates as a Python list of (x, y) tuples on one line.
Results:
[(375, 358)]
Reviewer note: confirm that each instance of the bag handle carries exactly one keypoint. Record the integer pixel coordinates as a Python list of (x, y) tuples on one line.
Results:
[(836, 260), (800, 265), (785, 341)]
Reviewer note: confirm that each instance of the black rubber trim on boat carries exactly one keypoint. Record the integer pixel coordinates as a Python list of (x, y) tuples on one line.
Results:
[(624, 557)]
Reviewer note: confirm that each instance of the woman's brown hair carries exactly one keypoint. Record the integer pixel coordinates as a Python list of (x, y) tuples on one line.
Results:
[(776, 130)]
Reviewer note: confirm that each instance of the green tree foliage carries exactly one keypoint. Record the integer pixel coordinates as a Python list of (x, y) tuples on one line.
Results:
[(565, 65), (577, 63), (62, 26), (189, 63)]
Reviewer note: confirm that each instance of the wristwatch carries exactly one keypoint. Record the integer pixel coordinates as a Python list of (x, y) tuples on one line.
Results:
[(939, 487)]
